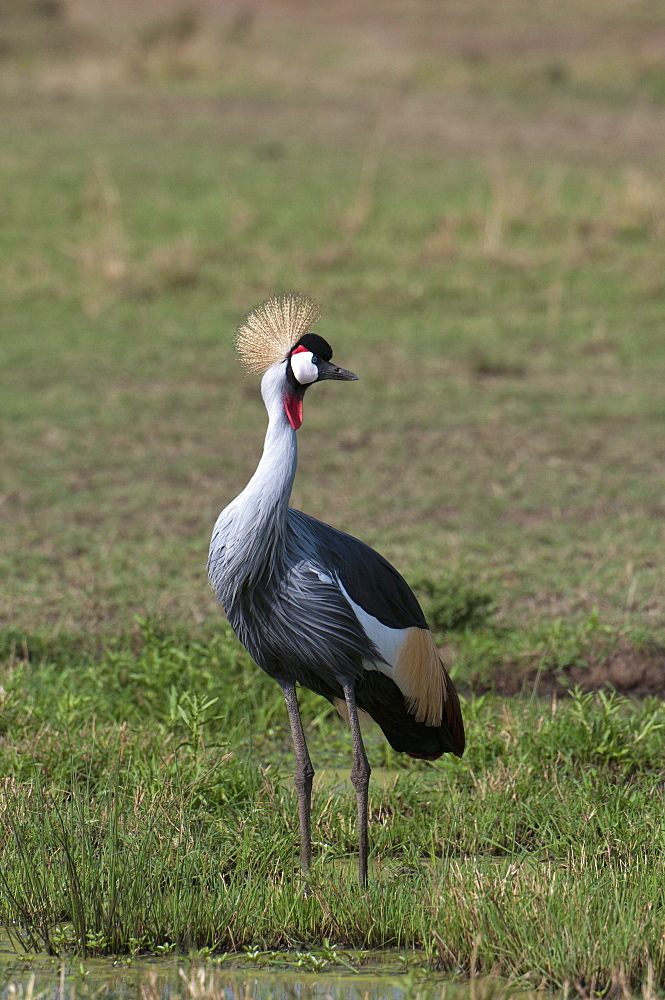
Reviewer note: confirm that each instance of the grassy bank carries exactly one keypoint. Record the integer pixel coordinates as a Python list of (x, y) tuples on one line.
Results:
[(148, 804)]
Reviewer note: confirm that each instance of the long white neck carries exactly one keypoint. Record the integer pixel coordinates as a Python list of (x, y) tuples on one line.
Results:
[(248, 539), (270, 486)]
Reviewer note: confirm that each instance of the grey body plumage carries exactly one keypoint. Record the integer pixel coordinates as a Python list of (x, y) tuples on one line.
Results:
[(315, 606), (270, 577)]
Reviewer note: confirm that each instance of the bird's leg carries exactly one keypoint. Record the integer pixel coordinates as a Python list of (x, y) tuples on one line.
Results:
[(303, 776), (360, 780)]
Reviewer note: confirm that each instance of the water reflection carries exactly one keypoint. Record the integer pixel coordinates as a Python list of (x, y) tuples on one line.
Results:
[(168, 981), (175, 979)]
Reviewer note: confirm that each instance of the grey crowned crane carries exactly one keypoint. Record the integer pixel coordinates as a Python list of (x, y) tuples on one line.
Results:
[(313, 605)]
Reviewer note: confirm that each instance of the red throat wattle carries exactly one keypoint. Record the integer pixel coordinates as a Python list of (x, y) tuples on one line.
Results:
[(293, 410)]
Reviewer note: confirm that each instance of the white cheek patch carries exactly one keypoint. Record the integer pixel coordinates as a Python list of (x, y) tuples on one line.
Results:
[(303, 367)]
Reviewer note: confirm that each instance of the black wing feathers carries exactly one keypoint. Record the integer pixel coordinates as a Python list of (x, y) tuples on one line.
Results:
[(380, 697), (368, 578)]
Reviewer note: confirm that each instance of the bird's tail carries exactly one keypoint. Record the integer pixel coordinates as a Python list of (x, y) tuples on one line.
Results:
[(379, 696)]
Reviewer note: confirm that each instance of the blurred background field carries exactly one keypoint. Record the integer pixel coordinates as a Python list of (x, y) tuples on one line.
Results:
[(474, 192)]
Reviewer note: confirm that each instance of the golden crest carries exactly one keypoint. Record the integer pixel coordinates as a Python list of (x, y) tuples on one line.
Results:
[(268, 332)]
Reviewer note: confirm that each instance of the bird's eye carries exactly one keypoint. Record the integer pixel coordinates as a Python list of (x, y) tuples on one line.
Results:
[(315, 360)]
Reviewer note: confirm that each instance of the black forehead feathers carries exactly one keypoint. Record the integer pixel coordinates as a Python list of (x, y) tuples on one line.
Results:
[(317, 345)]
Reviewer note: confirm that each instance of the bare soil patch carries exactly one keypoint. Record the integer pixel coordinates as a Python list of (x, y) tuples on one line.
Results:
[(638, 673)]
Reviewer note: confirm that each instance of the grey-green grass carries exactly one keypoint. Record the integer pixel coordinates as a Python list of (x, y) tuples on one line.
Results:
[(148, 803), (483, 232)]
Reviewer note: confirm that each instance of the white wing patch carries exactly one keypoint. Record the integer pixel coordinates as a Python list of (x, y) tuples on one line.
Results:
[(387, 640), (412, 661)]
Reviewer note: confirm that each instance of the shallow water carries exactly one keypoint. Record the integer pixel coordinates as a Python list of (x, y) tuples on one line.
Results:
[(386, 976), (171, 979)]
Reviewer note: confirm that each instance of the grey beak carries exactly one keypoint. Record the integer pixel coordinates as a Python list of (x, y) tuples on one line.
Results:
[(328, 370)]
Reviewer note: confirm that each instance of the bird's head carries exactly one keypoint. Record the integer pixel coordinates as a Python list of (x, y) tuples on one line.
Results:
[(308, 362), (275, 340)]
